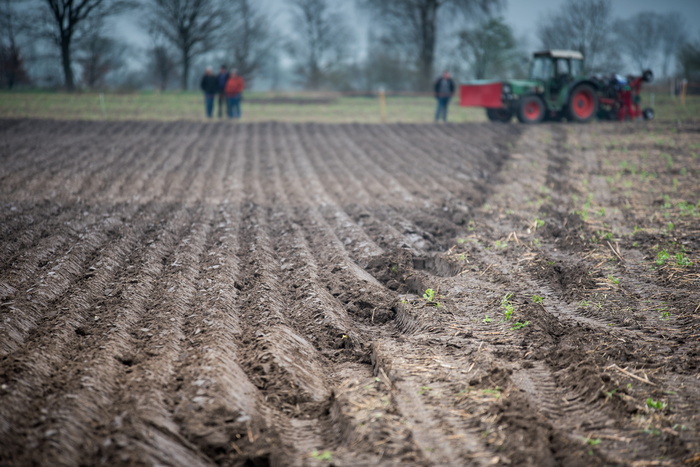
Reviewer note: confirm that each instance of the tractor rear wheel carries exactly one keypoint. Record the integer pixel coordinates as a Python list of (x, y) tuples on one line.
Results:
[(531, 109), (583, 104), (502, 115)]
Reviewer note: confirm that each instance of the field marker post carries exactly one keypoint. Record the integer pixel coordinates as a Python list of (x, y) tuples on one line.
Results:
[(102, 103), (382, 105), (684, 89)]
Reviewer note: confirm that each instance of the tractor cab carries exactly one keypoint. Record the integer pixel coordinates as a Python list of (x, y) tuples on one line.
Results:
[(555, 70)]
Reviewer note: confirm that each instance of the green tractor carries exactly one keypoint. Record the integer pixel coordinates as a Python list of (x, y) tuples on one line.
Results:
[(556, 89)]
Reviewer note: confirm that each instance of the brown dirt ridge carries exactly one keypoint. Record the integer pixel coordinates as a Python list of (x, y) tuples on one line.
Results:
[(195, 294)]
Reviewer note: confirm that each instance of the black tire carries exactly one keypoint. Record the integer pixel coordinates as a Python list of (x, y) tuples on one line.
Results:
[(648, 113), (501, 115), (531, 109), (583, 104)]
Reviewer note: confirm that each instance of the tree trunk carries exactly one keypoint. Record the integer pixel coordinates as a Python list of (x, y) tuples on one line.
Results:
[(185, 71), (427, 50), (69, 81)]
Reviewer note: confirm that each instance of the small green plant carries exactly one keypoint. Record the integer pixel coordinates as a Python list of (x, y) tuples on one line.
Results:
[(424, 390), (584, 303), (507, 306), (500, 244), (537, 299), (661, 257), (519, 325), (430, 296), (593, 441), (665, 315), (658, 405), (486, 319), (682, 260), (612, 279), (539, 223), (325, 456), (492, 392)]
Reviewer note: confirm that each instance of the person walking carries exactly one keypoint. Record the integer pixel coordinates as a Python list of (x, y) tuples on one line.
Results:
[(444, 89), (222, 77), (234, 89), (210, 87)]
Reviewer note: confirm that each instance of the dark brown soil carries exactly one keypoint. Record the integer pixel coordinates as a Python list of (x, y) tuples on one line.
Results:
[(257, 294)]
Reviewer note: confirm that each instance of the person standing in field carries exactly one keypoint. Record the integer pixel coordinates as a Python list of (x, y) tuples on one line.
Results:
[(210, 87), (222, 77), (444, 89), (234, 89)]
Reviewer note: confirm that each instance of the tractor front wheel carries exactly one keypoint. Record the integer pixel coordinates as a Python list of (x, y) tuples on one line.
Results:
[(583, 104), (502, 115), (531, 109)]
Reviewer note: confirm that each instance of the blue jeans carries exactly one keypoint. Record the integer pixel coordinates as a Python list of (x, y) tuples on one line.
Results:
[(441, 112), (233, 106), (209, 104)]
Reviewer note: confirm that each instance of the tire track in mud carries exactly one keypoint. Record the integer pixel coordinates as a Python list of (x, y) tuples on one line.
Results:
[(583, 412)]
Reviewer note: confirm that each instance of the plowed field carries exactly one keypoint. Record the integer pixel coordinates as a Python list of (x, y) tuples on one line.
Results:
[(306, 294)]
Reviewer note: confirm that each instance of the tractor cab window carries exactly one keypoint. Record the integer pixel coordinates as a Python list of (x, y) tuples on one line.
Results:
[(541, 69), (562, 67), (576, 67)]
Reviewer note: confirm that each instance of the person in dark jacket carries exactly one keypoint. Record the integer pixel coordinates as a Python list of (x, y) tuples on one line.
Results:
[(444, 88), (210, 87), (222, 77)]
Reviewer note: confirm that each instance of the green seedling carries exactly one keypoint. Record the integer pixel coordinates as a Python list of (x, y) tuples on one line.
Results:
[(325, 456), (612, 279), (507, 306), (661, 257), (539, 223), (682, 260), (500, 244), (486, 319), (537, 299), (518, 325), (584, 303), (429, 295), (492, 392), (658, 405), (424, 390), (593, 441)]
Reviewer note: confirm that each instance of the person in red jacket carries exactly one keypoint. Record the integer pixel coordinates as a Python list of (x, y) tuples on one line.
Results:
[(234, 90)]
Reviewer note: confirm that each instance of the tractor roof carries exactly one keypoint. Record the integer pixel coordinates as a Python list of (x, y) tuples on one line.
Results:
[(560, 54)]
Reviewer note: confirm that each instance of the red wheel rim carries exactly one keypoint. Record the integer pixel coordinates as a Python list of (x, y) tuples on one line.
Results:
[(532, 110), (583, 104)]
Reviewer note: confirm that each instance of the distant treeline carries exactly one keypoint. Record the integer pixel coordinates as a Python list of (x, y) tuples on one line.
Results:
[(313, 44)]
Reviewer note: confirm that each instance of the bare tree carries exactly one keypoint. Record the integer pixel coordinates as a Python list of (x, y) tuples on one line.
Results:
[(490, 48), (190, 26), (416, 23), (638, 37), (63, 22), (13, 25), (319, 44), (673, 34), (582, 25), (689, 60), (250, 38), (162, 65)]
